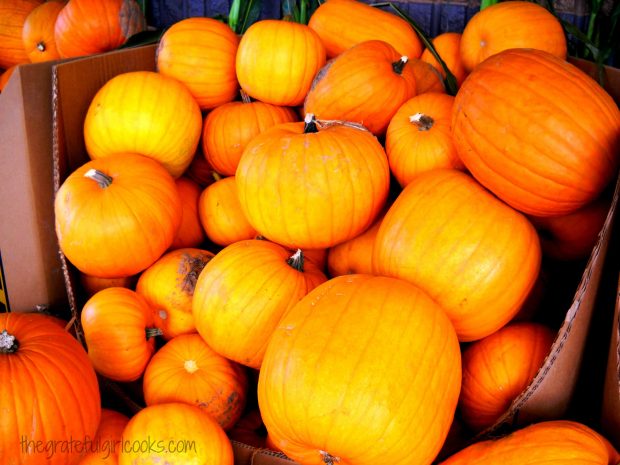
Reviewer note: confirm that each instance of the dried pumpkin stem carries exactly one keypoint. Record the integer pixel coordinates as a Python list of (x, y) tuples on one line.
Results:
[(422, 121), (100, 178), (297, 260), (190, 366), (328, 458), (153, 332), (245, 98), (8, 343), (400, 64), (310, 124), (41, 47)]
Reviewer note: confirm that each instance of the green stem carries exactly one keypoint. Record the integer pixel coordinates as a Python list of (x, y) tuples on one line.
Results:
[(233, 15), (487, 3)]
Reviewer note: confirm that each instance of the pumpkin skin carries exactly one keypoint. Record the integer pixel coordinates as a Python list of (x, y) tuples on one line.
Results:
[(200, 53), (182, 434), (243, 292), (168, 288), (427, 78), (146, 113), (419, 137), (13, 14), (477, 257), (49, 391), (119, 333), (93, 284), (106, 444), (130, 219), (532, 149), (497, 368), (506, 25), (87, 27), (187, 370), (348, 365), (228, 128), (448, 46), (38, 32), (221, 215), (277, 61), (200, 170), (553, 442), (313, 177), (190, 233), (365, 84), (363, 23)]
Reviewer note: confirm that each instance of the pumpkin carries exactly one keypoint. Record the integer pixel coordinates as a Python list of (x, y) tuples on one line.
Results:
[(146, 113), (354, 367), (427, 78), (115, 216), (527, 125), (93, 284), (221, 215), (365, 84), (363, 22), (87, 27), (544, 443), (448, 47), (190, 233), (168, 287), (228, 128), (176, 433), (106, 445), (243, 292), (277, 61), (476, 256), (308, 186), (497, 368), (187, 370), (200, 53), (119, 333), (49, 391), (507, 25), (200, 170), (419, 137), (38, 31), (13, 14), (249, 429)]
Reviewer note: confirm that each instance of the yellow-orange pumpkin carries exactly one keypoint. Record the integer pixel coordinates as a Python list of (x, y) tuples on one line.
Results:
[(106, 445), (190, 233), (38, 31)]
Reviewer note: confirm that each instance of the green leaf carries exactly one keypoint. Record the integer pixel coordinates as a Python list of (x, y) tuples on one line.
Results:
[(143, 38), (251, 14), (233, 14), (486, 3)]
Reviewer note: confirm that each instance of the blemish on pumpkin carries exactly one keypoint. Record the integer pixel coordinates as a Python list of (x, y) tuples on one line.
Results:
[(232, 397), (190, 267), (328, 458)]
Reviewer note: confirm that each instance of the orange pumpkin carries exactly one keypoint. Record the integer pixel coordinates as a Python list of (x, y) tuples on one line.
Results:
[(200, 170), (228, 128), (477, 257), (190, 233), (168, 288), (49, 391), (547, 442), (119, 333), (448, 46), (277, 61), (106, 445), (309, 187), (87, 27), (117, 215), (497, 368), (365, 84), (527, 125), (427, 78), (419, 137), (243, 292), (221, 215), (13, 14), (187, 370), (146, 113), (180, 433), (93, 284), (363, 22), (200, 53), (513, 24), (38, 31), (357, 365)]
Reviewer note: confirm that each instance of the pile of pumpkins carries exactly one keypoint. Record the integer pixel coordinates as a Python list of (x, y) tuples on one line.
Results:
[(305, 214)]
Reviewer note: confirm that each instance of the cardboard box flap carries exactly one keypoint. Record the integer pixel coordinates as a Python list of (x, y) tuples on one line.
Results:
[(248, 455), (611, 396)]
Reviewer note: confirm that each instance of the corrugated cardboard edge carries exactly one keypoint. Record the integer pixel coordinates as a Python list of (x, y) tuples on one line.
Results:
[(611, 396), (248, 455)]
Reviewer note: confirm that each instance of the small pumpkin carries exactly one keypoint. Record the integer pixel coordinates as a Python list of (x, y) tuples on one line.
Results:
[(200, 170), (190, 233), (13, 14), (187, 370), (427, 78), (107, 443), (38, 31), (448, 47)]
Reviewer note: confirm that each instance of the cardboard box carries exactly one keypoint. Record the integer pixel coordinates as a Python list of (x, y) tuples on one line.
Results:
[(551, 392)]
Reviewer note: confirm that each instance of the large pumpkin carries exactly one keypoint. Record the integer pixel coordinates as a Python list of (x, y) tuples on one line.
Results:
[(146, 113), (48, 391), (311, 187), (243, 292), (38, 31), (117, 215), (365, 84), (477, 257), (13, 14), (87, 27), (363, 370), (200, 53), (528, 125)]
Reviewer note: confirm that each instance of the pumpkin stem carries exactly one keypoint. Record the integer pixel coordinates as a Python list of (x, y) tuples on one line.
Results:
[(153, 332), (190, 366), (328, 458), (297, 260), (310, 124), (245, 98), (216, 176), (41, 47), (8, 343), (422, 121), (400, 64), (100, 178)]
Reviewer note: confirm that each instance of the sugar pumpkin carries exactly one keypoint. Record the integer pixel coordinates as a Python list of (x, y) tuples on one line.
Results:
[(13, 14), (38, 31)]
